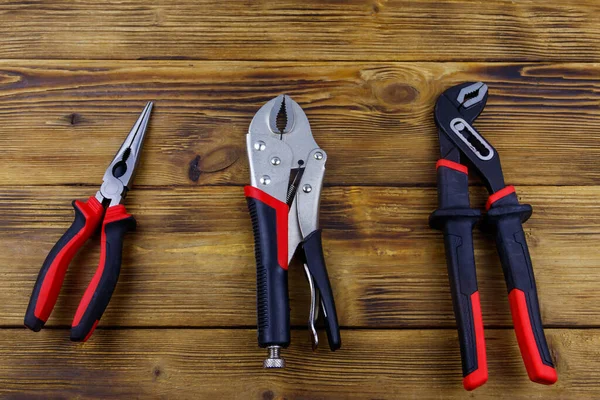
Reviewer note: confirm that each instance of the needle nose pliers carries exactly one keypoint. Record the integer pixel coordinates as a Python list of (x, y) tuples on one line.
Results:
[(286, 172), (455, 111), (104, 207)]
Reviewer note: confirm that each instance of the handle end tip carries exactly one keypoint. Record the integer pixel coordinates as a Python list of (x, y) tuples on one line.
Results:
[(274, 360), (544, 375), (475, 379), (34, 323)]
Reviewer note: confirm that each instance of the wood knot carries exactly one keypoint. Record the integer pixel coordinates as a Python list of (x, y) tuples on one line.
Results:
[(268, 395), (398, 93), (156, 372), (220, 158), (194, 169), (213, 161), (74, 118)]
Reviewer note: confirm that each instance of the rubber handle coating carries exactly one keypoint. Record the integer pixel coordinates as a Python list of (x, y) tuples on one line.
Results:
[(272, 301), (456, 219), (97, 295), (505, 217), (45, 292), (313, 252)]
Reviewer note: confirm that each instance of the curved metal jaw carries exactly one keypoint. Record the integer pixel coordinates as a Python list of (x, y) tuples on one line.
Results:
[(296, 131), (468, 99), (455, 111), (119, 174)]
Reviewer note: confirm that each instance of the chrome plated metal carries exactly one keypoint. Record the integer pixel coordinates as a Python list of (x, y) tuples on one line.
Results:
[(313, 313), (459, 126), (274, 360), (479, 87), (119, 174)]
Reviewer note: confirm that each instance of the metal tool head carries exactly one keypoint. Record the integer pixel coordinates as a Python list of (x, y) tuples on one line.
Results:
[(468, 99), (119, 174), (455, 111), (284, 119)]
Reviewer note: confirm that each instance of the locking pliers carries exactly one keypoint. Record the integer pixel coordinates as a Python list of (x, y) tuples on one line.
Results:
[(286, 172)]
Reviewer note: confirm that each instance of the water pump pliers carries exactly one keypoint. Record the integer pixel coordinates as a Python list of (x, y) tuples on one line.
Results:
[(104, 207), (460, 143), (286, 172)]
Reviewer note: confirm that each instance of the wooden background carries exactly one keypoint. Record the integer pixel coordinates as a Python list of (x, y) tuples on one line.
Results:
[(75, 74)]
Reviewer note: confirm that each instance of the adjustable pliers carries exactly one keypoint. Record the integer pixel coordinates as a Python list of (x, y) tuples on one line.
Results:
[(455, 111), (104, 207), (286, 172)]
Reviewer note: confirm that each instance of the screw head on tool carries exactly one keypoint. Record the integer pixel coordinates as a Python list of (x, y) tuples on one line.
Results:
[(275, 160), (260, 145), (318, 155), (265, 179), (307, 188)]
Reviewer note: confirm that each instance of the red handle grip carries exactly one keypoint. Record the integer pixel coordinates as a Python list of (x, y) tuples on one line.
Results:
[(50, 278), (506, 216), (97, 295), (537, 370)]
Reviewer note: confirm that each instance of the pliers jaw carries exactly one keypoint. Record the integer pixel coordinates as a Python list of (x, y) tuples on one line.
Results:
[(469, 99), (455, 111), (120, 172)]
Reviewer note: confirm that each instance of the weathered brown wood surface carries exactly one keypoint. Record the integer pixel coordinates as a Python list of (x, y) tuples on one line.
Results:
[(221, 363), (74, 75), (302, 30), (375, 120), (191, 261)]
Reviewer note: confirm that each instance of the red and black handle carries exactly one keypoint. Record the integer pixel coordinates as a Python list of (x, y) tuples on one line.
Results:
[(97, 295), (270, 226), (505, 217), (456, 219), (313, 254), (88, 215)]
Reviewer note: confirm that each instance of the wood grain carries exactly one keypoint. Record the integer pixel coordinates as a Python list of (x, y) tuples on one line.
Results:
[(75, 74), (381, 30), (191, 262), (63, 121), (377, 364)]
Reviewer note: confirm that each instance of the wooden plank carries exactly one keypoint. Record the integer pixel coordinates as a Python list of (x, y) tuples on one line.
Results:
[(63, 121), (191, 262), (382, 364), (309, 30)]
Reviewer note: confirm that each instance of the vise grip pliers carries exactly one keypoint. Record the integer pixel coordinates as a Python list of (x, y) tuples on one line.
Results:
[(455, 111), (286, 172)]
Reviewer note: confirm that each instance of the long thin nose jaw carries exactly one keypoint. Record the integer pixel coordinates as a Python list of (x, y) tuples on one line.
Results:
[(130, 150), (136, 136)]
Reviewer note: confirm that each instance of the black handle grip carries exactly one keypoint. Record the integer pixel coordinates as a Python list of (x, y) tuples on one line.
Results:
[(45, 292), (97, 295), (456, 219), (505, 217), (270, 249), (313, 253)]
